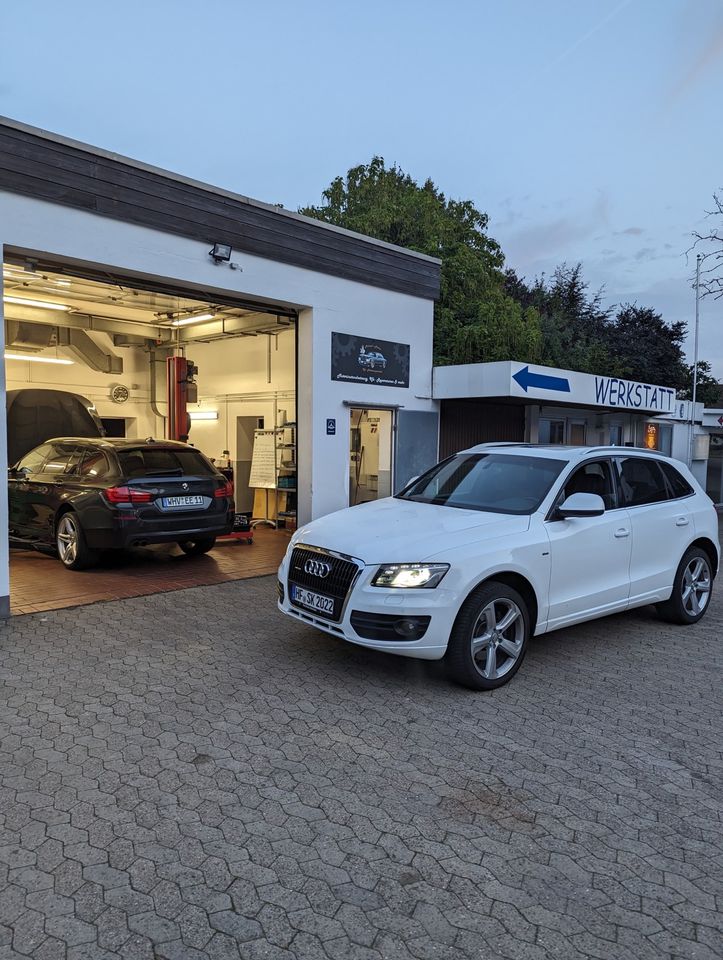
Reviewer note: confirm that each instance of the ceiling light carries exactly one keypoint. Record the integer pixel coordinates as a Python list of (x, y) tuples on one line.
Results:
[(43, 304), (199, 318), (203, 414), (34, 359)]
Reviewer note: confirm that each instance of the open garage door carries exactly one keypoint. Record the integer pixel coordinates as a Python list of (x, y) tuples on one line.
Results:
[(102, 346)]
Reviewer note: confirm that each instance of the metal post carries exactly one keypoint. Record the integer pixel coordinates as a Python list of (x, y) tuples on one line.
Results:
[(695, 357)]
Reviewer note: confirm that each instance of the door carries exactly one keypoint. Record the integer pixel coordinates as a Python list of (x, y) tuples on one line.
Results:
[(661, 528), (370, 454), (23, 493), (416, 445), (51, 486), (590, 556)]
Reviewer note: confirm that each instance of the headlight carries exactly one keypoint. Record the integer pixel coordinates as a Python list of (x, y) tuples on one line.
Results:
[(406, 575)]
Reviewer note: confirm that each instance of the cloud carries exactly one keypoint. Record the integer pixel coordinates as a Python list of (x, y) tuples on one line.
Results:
[(630, 232), (556, 236), (647, 253)]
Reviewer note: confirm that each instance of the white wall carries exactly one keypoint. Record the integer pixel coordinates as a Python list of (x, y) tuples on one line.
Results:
[(326, 303)]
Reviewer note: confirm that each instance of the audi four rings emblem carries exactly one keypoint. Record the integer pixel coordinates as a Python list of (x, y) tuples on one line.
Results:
[(317, 568)]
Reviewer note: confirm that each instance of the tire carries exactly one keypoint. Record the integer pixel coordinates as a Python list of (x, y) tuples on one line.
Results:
[(499, 653), (73, 551), (692, 589), (194, 548)]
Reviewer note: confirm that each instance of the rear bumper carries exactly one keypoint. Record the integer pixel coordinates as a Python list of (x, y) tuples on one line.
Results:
[(120, 530)]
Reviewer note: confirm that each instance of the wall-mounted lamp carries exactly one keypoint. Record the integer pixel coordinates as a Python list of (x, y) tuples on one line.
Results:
[(221, 252), (203, 414)]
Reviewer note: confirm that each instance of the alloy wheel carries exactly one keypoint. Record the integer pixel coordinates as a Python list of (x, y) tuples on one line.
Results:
[(67, 539), (696, 586), (498, 637)]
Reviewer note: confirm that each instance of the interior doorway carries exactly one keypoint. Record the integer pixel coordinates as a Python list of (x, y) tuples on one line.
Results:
[(370, 454)]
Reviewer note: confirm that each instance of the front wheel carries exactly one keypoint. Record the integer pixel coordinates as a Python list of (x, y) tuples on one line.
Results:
[(489, 638), (194, 548), (691, 589), (73, 551)]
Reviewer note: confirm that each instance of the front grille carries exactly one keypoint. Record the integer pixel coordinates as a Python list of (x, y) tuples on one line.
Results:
[(336, 584)]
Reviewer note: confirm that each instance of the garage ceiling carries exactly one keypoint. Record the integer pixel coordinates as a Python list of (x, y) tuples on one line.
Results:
[(125, 310)]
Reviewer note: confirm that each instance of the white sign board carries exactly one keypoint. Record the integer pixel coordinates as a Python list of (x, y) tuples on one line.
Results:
[(550, 385), (263, 460)]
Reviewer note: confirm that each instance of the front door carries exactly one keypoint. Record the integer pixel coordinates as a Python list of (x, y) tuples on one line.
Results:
[(370, 454), (590, 556)]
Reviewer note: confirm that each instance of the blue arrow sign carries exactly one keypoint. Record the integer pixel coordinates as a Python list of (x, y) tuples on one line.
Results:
[(542, 381)]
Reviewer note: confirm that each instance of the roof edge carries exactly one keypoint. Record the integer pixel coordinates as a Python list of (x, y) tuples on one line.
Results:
[(207, 187)]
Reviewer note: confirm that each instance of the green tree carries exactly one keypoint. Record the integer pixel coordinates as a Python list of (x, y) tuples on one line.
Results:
[(644, 347), (475, 318), (709, 391)]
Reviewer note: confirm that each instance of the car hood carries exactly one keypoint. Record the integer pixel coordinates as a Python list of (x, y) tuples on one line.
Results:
[(393, 530)]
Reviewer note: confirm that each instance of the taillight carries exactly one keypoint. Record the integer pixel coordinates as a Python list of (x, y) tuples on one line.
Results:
[(127, 495), (225, 491)]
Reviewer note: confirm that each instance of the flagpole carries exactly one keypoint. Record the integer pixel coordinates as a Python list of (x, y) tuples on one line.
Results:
[(695, 355)]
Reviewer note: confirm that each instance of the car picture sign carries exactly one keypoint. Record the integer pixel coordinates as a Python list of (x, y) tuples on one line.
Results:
[(366, 360)]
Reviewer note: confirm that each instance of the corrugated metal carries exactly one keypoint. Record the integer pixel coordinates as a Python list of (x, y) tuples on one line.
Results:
[(463, 423)]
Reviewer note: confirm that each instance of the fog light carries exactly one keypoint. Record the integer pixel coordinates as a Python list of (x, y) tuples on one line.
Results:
[(409, 628)]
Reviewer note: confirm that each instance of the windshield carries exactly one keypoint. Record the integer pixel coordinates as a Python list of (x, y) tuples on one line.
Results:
[(494, 482)]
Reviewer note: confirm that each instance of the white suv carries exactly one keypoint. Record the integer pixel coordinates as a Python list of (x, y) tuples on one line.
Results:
[(503, 542)]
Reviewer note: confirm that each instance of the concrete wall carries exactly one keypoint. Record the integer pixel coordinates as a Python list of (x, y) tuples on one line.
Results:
[(326, 304)]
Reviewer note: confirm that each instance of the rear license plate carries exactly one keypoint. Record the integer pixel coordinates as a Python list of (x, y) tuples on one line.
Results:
[(182, 501), (312, 601)]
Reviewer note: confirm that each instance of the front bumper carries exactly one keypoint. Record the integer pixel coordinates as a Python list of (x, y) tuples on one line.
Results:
[(435, 609)]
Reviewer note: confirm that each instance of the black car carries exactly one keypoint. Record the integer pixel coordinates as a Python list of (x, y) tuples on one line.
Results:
[(87, 495)]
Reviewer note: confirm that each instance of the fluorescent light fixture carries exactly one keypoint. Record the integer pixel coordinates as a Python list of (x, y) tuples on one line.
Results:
[(199, 318), (34, 359), (43, 304), (203, 414)]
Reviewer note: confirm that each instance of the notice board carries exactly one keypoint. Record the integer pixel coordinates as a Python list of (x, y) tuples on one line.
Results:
[(263, 460)]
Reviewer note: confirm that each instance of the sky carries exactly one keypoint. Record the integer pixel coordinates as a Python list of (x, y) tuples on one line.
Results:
[(588, 130)]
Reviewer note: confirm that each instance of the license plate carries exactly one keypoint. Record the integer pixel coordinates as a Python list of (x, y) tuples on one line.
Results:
[(182, 501), (311, 600)]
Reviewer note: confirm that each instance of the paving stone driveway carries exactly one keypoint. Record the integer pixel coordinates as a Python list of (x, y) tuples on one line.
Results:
[(191, 775)]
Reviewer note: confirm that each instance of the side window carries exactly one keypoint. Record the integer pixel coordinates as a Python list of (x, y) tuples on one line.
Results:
[(95, 466), (642, 481), (594, 477), (33, 461), (63, 459), (677, 483)]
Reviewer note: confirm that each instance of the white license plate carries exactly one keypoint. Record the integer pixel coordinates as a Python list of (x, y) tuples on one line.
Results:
[(182, 501), (311, 600)]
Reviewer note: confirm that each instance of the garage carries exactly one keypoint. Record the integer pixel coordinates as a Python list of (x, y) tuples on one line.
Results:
[(110, 342), (145, 307)]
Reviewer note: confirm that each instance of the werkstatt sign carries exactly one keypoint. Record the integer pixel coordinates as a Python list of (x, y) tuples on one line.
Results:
[(546, 383)]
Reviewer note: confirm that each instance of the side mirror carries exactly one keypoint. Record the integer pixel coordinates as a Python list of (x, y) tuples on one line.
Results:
[(581, 505), (12, 473)]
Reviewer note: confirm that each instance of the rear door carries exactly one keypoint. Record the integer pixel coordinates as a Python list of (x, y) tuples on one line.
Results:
[(590, 556), (662, 527)]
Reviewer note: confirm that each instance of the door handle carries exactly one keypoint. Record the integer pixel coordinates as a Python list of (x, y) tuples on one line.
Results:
[(621, 533), (682, 522)]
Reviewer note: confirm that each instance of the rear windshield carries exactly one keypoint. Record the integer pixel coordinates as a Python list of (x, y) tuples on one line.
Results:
[(159, 461), (498, 483)]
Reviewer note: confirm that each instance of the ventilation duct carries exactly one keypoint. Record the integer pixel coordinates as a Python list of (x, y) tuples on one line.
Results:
[(31, 337)]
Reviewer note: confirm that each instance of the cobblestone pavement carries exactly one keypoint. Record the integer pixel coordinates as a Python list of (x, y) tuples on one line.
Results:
[(191, 775)]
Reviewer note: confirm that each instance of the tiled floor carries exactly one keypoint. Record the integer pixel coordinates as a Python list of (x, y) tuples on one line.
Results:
[(39, 582)]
